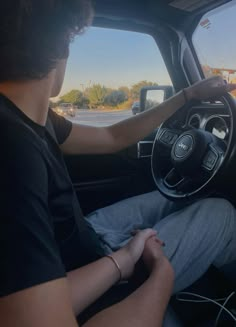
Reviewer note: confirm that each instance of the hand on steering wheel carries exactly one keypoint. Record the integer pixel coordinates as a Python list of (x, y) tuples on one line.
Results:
[(208, 88), (185, 160)]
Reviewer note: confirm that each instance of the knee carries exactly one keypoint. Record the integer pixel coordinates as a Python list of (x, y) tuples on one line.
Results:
[(218, 211), (216, 204)]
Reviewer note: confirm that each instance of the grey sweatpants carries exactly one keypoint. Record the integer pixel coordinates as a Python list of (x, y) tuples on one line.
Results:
[(196, 236)]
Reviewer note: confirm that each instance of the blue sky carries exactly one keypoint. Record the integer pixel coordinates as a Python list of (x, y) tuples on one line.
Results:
[(113, 58), (116, 58), (216, 46)]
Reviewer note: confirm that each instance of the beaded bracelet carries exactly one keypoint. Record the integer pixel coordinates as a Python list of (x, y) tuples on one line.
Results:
[(116, 264)]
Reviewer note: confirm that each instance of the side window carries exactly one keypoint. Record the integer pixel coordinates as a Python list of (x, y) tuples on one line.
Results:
[(105, 72), (215, 43)]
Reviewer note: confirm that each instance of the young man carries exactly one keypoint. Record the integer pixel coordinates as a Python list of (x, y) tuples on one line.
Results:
[(44, 240)]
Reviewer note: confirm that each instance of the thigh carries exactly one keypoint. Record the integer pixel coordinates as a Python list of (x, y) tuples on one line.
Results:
[(114, 223), (198, 236)]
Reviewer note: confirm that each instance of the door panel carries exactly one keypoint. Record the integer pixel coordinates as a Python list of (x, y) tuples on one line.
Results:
[(100, 180)]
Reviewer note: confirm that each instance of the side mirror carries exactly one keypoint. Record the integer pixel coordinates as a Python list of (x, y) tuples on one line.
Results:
[(153, 95)]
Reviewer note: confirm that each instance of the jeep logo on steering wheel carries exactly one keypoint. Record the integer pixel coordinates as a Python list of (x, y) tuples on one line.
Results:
[(183, 146)]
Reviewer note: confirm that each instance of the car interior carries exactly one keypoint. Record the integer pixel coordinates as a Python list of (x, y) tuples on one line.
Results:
[(158, 162)]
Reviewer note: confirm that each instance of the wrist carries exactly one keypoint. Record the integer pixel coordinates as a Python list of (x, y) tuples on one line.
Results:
[(163, 265), (116, 264), (125, 262), (188, 94)]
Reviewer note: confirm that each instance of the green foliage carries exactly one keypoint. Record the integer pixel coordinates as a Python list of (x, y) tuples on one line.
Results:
[(116, 97), (136, 88), (84, 102), (126, 90), (74, 96), (125, 105), (96, 94)]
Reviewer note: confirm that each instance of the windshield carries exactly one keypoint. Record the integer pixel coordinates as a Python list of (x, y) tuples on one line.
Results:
[(215, 42)]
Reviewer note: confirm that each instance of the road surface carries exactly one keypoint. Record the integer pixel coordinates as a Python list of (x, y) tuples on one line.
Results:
[(99, 117)]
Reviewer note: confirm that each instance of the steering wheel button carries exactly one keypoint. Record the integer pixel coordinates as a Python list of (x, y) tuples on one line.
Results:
[(210, 160), (168, 137), (173, 139)]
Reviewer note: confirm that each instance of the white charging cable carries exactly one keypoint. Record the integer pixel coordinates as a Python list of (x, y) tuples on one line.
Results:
[(204, 299), (223, 307)]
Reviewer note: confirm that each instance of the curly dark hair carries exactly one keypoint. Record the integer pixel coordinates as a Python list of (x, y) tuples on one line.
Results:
[(35, 34)]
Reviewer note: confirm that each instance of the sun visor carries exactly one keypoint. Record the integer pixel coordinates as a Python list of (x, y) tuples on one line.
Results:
[(190, 5)]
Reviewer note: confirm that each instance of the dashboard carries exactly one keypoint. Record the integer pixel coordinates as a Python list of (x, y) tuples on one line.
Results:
[(212, 118)]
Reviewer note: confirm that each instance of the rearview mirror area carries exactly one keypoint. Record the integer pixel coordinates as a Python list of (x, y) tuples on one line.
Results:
[(151, 96)]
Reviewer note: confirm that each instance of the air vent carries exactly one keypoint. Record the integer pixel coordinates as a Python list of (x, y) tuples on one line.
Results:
[(194, 121)]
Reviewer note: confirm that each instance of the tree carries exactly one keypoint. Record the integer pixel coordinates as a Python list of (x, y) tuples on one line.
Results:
[(126, 90), (74, 96), (116, 97), (52, 104), (136, 88), (84, 102), (96, 94)]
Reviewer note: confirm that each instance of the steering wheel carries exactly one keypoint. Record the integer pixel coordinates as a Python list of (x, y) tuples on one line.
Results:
[(185, 161)]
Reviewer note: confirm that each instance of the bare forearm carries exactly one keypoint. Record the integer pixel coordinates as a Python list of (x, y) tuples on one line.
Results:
[(145, 307), (134, 129), (97, 140), (88, 283)]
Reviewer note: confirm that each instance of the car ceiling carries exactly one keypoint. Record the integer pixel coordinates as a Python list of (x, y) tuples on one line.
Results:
[(177, 13)]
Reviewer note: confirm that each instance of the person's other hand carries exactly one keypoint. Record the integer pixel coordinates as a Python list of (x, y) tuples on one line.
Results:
[(212, 87), (153, 254), (132, 251)]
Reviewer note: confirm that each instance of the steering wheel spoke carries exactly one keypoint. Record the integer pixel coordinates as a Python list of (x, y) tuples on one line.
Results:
[(174, 180)]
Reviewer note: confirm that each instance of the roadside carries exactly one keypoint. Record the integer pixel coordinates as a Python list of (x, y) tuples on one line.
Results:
[(99, 117)]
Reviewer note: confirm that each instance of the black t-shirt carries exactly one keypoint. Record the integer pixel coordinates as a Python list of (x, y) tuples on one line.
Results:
[(42, 231)]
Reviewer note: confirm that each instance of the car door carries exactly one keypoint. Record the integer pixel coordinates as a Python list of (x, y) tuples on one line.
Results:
[(106, 71)]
